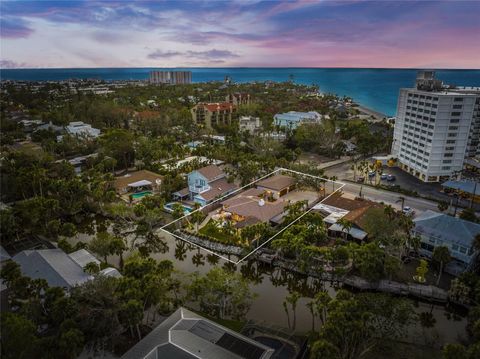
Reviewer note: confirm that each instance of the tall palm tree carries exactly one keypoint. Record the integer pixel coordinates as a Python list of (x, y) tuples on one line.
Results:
[(346, 226), (441, 254)]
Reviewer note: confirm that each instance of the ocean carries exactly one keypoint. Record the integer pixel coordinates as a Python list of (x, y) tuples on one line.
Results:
[(373, 88)]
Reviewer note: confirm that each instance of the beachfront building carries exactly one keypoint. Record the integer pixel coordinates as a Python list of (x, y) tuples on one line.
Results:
[(205, 185), (184, 333), (249, 124), (437, 128), (208, 115), (134, 186), (170, 77), (238, 98), (81, 129), (438, 229), (293, 119)]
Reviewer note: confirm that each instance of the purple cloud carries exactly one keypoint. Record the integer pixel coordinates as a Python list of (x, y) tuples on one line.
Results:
[(212, 55), (14, 28), (9, 64), (159, 54)]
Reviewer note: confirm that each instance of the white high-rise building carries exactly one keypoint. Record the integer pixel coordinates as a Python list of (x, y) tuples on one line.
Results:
[(436, 128)]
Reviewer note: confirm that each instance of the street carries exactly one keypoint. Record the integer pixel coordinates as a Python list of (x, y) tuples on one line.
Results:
[(344, 172)]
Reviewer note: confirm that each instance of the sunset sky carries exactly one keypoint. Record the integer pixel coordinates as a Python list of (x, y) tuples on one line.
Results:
[(440, 34)]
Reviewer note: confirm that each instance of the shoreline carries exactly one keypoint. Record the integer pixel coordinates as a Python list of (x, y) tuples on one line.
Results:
[(370, 112)]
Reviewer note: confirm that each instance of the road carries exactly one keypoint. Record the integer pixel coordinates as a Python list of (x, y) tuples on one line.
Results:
[(343, 171), (418, 204)]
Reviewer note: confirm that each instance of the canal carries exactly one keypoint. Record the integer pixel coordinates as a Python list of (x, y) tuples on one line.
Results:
[(272, 285)]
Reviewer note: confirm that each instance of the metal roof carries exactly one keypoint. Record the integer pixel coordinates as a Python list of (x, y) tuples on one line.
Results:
[(82, 257), (446, 228), (185, 335), (53, 265), (354, 232)]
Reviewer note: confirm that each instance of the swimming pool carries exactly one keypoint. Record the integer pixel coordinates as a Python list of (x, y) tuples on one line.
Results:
[(169, 207), (141, 194)]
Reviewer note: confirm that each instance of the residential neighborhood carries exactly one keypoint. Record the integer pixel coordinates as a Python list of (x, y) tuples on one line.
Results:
[(239, 179)]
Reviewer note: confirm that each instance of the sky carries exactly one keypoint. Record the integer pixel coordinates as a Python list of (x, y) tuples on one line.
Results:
[(240, 33)]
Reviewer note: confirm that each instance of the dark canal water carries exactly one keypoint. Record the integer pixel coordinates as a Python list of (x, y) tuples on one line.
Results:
[(272, 285)]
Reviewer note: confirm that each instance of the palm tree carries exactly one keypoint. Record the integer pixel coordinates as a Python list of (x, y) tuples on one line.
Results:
[(311, 307), (389, 212), (346, 226), (292, 299), (441, 254)]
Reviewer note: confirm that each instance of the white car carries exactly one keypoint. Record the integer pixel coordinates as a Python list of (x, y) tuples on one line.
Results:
[(408, 211)]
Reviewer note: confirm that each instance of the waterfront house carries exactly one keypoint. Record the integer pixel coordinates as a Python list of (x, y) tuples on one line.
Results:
[(293, 119), (58, 268), (438, 229), (134, 185), (54, 265), (277, 186), (184, 333), (205, 185), (353, 210), (252, 206)]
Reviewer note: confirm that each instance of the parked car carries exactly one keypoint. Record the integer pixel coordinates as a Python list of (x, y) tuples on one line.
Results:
[(372, 174), (360, 179), (408, 211), (383, 176), (391, 178)]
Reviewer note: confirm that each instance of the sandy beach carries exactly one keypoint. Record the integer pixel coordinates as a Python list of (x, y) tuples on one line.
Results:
[(369, 112)]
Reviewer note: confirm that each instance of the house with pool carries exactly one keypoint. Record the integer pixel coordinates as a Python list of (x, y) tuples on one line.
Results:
[(205, 185), (133, 186)]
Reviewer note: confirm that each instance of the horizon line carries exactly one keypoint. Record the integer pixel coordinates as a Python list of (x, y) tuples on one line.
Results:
[(246, 67)]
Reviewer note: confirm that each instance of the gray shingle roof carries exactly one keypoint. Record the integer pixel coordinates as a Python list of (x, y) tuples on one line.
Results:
[(53, 265), (447, 228)]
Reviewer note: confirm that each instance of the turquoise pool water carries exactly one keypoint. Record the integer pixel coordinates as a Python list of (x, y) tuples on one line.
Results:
[(141, 194), (169, 207)]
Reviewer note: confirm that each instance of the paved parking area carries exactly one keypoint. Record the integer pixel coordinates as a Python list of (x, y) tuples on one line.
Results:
[(296, 196)]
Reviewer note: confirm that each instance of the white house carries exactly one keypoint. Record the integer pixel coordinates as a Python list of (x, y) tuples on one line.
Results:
[(293, 119), (79, 128), (249, 124)]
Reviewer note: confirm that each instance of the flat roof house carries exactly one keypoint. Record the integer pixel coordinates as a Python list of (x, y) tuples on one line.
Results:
[(438, 229), (205, 185), (186, 335), (277, 185)]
